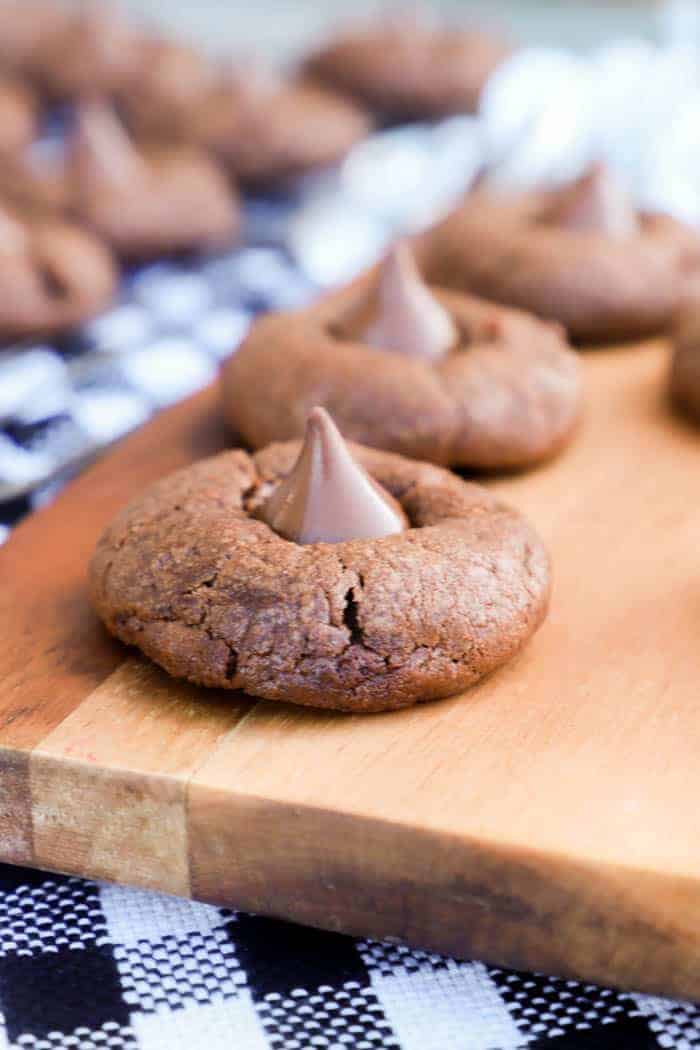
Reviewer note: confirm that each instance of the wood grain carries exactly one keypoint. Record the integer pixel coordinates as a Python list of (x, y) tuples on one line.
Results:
[(54, 652), (108, 784), (545, 819)]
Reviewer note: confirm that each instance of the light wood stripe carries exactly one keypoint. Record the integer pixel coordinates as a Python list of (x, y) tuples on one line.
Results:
[(16, 846), (472, 899), (54, 653), (108, 785)]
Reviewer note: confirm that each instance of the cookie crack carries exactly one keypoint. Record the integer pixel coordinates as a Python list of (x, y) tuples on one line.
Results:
[(351, 619), (231, 669), (206, 584)]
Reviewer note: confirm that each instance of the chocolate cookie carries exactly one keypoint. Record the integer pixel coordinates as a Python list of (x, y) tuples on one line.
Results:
[(267, 130), (405, 70), (581, 256), (173, 83), (685, 365), (53, 275), (429, 373), (92, 49), (25, 28), (193, 575), (148, 200)]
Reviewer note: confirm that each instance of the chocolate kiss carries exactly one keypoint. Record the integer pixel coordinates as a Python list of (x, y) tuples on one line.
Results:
[(103, 150), (597, 203), (410, 320), (328, 497)]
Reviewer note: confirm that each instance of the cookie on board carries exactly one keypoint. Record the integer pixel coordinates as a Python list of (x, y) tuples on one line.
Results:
[(581, 255), (266, 129), (322, 574), (408, 368)]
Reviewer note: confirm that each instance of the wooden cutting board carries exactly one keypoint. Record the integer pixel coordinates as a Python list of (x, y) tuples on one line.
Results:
[(546, 819)]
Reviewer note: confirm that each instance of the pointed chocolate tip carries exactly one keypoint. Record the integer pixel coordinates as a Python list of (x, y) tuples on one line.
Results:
[(410, 320), (328, 497), (597, 203), (102, 148)]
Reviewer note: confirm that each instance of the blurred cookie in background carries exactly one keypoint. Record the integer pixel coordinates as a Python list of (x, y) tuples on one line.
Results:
[(53, 274), (267, 129), (147, 199), (94, 48), (583, 255), (408, 67), (25, 28), (19, 114), (172, 84)]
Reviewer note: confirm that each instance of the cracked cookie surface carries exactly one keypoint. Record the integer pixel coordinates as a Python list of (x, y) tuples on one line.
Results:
[(188, 575)]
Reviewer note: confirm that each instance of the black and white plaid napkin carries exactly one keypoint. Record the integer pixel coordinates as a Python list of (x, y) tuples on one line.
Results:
[(90, 966)]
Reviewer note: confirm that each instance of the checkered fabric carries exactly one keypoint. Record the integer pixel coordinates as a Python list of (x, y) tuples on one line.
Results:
[(98, 967), (63, 402)]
